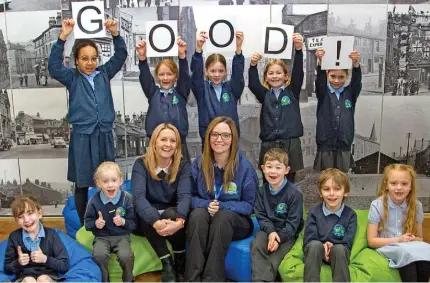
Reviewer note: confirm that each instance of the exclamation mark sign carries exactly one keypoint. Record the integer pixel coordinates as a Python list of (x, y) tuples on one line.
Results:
[(338, 52)]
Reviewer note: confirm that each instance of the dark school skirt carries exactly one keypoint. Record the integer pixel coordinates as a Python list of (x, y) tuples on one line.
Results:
[(54, 278), (341, 160), (86, 152), (292, 146)]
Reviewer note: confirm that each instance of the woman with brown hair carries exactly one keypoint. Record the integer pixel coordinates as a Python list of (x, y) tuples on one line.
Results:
[(160, 184), (222, 202)]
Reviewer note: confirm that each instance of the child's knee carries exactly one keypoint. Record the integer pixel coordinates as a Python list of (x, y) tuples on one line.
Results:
[(44, 278), (339, 250), (314, 248), (125, 256), (28, 279), (101, 256), (260, 241)]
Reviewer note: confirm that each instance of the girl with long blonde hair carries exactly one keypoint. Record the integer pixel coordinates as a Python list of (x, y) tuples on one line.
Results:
[(396, 224)]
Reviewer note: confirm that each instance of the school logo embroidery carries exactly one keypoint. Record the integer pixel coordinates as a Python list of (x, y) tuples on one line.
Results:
[(285, 101), (281, 208), (225, 97), (232, 189), (348, 104), (175, 100), (121, 211), (338, 230)]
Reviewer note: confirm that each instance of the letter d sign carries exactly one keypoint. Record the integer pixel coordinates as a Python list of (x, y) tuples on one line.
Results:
[(89, 17)]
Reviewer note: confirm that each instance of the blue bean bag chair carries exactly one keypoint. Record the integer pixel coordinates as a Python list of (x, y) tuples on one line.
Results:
[(238, 259), (71, 219), (82, 267)]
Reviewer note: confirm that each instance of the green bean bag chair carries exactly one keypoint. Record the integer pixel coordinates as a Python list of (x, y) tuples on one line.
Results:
[(145, 258), (366, 265)]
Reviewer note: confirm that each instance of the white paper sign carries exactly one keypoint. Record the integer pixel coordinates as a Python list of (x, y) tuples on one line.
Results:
[(315, 42), (337, 50), (89, 19), (161, 38), (278, 41), (221, 35)]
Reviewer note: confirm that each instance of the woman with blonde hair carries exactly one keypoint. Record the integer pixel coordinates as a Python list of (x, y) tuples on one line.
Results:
[(222, 202), (160, 183)]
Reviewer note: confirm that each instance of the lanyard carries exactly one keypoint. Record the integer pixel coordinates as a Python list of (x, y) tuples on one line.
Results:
[(217, 192)]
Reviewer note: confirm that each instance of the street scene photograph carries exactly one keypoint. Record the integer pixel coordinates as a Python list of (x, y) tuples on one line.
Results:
[(31, 36), (28, 5)]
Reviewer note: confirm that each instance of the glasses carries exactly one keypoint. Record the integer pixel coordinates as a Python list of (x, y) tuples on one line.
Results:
[(86, 59), (224, 136)]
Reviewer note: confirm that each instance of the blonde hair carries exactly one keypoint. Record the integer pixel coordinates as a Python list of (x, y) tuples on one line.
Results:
[(410, 224), (21, 204), (207, 161), (107, 165), (277, 154), (150, 158), (284, 68), (338, 177)]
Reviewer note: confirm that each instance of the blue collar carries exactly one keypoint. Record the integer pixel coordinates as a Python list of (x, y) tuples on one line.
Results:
[(277, 92), (114, 201), (327, 212), (404, 205), (41, 233), (167, 92), (336, 91), (91, 76), (275, 192)]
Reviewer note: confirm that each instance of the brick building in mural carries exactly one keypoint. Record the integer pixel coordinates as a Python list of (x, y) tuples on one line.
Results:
[(312, 25), (4, 64), (6, 129)]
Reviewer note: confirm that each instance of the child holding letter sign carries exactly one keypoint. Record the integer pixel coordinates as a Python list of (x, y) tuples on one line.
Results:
[(91, 110), (215, 96), (335, 114), (280, 121), (167, 99)]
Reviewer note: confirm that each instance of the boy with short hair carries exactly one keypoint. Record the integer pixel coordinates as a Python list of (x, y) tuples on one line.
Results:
[(34, 253), (279, 211), (330, 229)]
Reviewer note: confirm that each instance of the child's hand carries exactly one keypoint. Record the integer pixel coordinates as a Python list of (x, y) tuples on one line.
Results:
[(201, 39), (182, 48), (406, 238), (255, 57), (327, 247), (273, 243), (118, 220), (112, 27), (213, 207), (319, 53), (66, 28), (23, 259), (239, 41), (38, 256), (141, 50), (355, 57), (100, 223), (298, 41)]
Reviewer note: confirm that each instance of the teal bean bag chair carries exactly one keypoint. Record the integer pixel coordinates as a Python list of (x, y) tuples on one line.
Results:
[(366, 265), (145, 258)]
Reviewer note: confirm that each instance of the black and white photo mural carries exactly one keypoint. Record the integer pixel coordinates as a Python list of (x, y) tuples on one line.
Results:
[(392, 122)]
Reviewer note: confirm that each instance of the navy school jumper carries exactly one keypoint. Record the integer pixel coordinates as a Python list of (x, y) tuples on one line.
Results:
[(207, 102), (166, 109), (240, 195), (280, 117), (88, 108), (335, 117)]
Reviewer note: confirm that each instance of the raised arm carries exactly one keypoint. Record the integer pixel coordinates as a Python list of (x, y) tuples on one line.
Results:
[(297, 72), (115, 63), (321, 79), (55, 62), (237, 82), (254, 83), (145, 77), (356, 75), (197, 69)]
